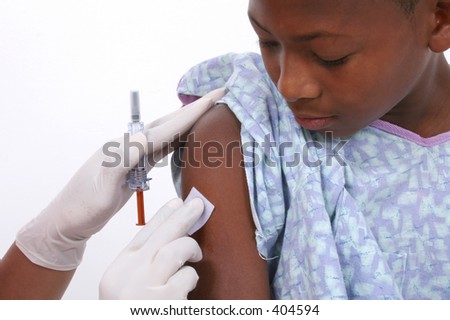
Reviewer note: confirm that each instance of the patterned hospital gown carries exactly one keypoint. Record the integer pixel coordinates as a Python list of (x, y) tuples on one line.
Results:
[(367, 217)]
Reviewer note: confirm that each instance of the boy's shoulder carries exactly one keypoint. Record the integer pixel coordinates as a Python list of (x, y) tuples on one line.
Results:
[(216, 72), (217, 126)]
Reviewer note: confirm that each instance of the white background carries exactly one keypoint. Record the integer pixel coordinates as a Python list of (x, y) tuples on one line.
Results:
[(66, 69)]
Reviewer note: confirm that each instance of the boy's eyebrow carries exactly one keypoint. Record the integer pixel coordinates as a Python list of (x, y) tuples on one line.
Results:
[(258, 24), (301, 38)]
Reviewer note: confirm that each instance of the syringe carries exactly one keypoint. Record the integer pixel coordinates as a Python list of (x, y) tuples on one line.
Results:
[(138, 180)]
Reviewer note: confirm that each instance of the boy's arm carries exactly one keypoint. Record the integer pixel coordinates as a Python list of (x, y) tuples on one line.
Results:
[(231, 267)]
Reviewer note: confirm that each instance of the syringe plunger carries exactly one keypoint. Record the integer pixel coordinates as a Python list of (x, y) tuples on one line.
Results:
[(135, 110), (136, 125)]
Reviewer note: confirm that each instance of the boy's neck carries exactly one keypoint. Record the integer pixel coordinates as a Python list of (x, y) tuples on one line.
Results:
[(426, 112)]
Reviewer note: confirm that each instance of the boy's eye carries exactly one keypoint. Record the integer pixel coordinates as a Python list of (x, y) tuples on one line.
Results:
[(332, 62), (271, 45), (267, 44)]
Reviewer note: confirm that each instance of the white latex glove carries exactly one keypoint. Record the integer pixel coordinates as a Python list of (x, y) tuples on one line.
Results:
[(57, 237), (152, 265)]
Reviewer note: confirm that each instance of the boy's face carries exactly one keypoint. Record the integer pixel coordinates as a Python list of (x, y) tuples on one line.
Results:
[(341, 64)]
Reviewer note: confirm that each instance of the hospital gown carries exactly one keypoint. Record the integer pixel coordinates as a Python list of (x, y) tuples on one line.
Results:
[(366, 217)]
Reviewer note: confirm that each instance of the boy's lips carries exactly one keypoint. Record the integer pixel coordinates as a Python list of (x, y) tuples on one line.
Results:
[(314, 123)]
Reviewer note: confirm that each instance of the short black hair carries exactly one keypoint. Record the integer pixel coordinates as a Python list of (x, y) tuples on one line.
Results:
[(407, 5)]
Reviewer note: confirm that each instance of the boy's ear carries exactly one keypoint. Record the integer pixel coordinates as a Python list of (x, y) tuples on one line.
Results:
[(440, 38)]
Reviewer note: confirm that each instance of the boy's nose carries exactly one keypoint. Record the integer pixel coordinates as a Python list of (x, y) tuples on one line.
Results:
[(296, 81)]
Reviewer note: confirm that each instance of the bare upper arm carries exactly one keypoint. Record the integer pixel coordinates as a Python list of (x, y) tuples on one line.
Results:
[(231, 267)]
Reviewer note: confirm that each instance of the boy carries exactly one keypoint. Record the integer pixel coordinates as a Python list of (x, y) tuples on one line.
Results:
[(375, 225)]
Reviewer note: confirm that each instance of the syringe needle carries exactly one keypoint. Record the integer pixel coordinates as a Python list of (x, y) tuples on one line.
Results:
[(140, 207)]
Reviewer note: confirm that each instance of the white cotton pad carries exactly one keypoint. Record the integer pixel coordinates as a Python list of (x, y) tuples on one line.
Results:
[(209, 208)]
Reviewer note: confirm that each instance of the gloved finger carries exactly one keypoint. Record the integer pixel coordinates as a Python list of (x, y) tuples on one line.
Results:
[(205, 102), (159, 218), (157, 156), (183, 282), (160, 135), (120, 155), (176, 225), (171, 257)]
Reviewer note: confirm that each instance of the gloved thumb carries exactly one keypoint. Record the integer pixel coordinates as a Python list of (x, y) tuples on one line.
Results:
[(163, 131)]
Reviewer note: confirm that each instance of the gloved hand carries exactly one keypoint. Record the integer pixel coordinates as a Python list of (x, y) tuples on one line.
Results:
[(151, 266), (57, 237)]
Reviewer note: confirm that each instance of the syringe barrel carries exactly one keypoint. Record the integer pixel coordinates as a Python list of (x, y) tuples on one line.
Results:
[(138, 175)]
